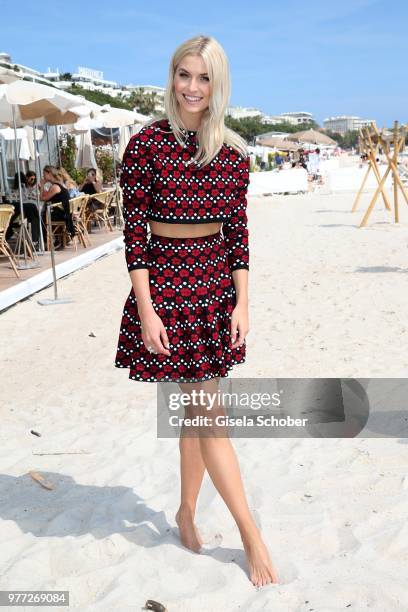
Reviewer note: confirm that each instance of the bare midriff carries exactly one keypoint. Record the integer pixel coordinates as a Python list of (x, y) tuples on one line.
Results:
[(184, 230)]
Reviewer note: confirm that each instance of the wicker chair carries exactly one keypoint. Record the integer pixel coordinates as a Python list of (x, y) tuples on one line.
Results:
[(78, 207), (101, 215), (6, 212), (58, 231)]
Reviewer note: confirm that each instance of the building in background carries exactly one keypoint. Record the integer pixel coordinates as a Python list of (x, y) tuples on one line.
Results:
[(93, 80), (293, 118), (9, 69), (87, 78), (346, 123), (241, 112)]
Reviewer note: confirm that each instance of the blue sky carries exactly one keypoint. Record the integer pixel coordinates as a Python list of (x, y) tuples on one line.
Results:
[(328, 58)]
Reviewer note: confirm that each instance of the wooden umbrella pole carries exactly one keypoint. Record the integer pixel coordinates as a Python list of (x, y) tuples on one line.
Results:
[(24, 238), (375, 196), (373, 152), (398, 179), (395, 185), (394, 168)]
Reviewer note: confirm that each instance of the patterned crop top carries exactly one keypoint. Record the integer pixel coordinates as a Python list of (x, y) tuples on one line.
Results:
[(158, 185)]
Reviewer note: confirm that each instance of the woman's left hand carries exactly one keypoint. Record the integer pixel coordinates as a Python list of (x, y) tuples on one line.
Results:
[(239, 325)]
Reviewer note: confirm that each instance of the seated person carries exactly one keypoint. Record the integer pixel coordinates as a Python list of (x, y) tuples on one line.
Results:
[(90, 186), (31, 188), (57, 193), (69, 183), (30, 209)]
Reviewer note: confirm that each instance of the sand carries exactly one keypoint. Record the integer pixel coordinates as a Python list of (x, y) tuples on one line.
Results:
[(326, 299)]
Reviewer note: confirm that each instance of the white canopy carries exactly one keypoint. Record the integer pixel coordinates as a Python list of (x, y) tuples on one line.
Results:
[(85, 156), (110, 117), (34, 101)]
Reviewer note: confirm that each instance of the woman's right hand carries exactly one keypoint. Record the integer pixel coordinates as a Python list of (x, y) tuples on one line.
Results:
[(154, 333)]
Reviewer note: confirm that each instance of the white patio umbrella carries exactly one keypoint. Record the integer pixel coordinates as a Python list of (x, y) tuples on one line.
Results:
[(33, 135), (85, 155), (30, 101), (111, 118), (24, 151), (7, 75), (20, 103), (125, 134)]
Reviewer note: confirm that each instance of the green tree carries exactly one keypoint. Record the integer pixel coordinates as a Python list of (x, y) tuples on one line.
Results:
[(99, 97), (104, 162), (143, 102), (68, 152), (251, 127), (350, 139), (347, 141), (68, 156)]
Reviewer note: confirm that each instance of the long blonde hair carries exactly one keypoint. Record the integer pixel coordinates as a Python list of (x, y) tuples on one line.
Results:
[(56, 174), (68, 180), (213, 132)]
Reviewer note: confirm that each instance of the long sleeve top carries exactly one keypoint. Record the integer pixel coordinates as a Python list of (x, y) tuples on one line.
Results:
[(158, 185)]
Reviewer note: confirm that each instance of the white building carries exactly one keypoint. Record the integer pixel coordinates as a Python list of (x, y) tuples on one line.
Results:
[(93, 80), (7, 67), (240, 112), (293, 118), (272, 134), (346, 123)]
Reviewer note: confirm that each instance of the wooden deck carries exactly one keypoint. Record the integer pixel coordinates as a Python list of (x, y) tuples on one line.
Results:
[(8, 278)]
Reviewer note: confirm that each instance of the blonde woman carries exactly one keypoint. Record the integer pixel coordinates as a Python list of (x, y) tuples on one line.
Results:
[(53, 191), (186, 317), (69, 183)]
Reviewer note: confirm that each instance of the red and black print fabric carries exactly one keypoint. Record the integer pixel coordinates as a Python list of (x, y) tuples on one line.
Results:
[(157, 185), (192, 292)]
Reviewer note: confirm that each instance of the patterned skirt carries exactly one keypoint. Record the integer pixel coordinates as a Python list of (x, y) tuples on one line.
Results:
[(193, 293)]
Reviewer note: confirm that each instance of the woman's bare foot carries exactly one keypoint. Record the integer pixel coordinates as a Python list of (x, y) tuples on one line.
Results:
[(189, 535), (261, 570)]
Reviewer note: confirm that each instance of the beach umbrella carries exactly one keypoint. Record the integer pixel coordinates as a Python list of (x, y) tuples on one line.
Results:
[(24, 152), (24, 149), (37, 101), (279, 143), (85, 155), (111, 118), (125, 134), (7, 75), (33, 135), (312, 137), (83, 125), (22, 102)]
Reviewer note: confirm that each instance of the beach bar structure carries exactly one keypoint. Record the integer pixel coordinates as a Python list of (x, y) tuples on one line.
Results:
[(371, 142)]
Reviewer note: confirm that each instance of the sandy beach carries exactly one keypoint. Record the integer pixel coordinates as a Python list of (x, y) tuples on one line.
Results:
[(327, 299)]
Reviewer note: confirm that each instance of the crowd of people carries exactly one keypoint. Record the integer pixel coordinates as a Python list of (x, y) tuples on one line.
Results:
[(301, 158), (55, 186)]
